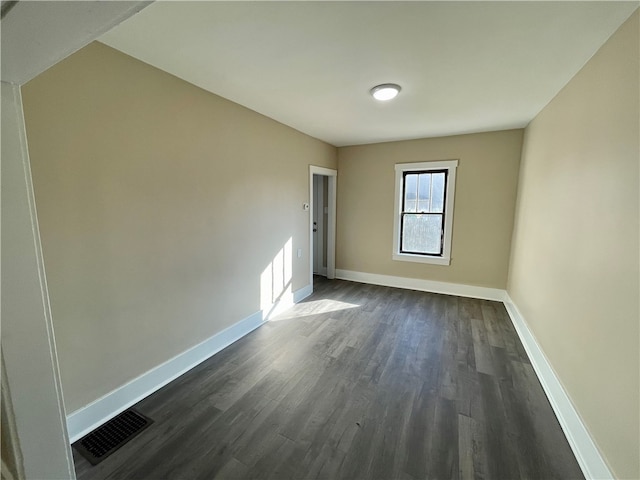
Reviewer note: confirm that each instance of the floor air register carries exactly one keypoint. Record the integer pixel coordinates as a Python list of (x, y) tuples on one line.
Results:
[(106, 439)]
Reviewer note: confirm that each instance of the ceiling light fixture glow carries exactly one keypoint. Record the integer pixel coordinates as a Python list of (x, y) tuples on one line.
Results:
[(386, 91)]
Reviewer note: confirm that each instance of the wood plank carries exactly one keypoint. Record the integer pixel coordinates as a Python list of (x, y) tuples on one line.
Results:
[(465, 447), (492, 325), (481, 348)]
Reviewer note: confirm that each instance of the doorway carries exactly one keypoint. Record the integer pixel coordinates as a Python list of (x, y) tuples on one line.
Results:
[(319, 230), (322, 221)]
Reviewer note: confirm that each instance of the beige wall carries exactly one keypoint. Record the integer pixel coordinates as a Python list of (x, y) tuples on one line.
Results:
[(161, 206), (487, 177), (574, 269)]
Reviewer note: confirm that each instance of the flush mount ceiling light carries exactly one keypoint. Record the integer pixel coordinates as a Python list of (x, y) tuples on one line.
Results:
[(385, 92)]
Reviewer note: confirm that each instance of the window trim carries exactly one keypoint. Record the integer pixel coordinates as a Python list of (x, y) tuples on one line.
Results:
[(401, 169)]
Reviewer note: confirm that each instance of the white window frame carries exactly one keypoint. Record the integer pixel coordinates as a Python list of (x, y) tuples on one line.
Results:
[(450, 166)]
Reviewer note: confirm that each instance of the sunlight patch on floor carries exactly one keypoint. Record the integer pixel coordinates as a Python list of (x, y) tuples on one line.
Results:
[(314, 307)]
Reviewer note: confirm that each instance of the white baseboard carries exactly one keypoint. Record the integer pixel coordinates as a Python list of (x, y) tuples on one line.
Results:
[(321, 271), (458, 289), (302, 293), (87, 418), (285, 302), (587, 454), (96, 413)]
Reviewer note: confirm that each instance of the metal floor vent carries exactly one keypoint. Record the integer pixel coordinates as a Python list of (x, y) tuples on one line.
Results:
[(106, 439)]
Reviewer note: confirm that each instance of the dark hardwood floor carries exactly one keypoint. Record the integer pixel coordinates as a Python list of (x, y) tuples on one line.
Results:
[(356, 382)]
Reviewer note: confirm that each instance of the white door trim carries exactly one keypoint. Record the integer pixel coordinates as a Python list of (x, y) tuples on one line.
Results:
[(332, 176), (27, 325)]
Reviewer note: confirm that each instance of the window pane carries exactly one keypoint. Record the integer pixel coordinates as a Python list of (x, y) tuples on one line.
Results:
[(437, 193), (410, 192), (424, 191), (423, 205), (421, 233)]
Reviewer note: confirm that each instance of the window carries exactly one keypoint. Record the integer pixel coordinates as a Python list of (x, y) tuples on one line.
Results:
[(424, 211)]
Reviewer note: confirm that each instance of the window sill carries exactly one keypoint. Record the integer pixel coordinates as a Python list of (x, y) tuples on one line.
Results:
[(406, 257)]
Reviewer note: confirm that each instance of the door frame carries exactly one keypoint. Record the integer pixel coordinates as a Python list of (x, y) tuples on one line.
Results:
[(332, 177)]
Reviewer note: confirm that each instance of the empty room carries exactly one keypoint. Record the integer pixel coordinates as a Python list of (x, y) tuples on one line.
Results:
[(332, 240)]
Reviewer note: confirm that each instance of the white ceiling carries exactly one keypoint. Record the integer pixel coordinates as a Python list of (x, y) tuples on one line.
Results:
[(463, 66), (37, 35)]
